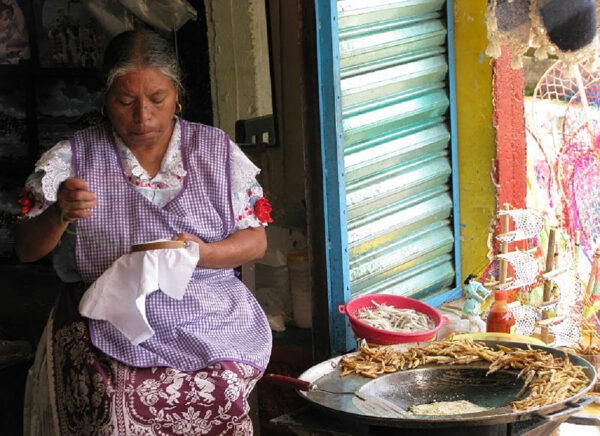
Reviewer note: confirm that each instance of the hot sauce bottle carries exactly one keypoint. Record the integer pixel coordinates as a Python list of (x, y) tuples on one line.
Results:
[(500, 319)]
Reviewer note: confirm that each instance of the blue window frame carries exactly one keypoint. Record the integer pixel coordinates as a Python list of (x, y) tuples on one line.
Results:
[(388, 143)]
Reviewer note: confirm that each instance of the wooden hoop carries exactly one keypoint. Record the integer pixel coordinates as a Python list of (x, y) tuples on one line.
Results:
[(157, 245)]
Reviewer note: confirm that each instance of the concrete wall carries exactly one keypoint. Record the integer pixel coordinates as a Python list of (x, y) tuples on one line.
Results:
[(241, 89), (239, 61)]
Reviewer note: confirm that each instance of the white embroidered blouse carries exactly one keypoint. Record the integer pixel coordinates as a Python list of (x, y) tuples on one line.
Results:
[(56, 165)]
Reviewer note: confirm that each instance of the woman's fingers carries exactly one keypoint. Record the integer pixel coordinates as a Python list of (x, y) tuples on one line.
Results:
[(74, 184), (79, 205), (186, 237), (74, 200), (68, 215), (204, 249), (78, 197)]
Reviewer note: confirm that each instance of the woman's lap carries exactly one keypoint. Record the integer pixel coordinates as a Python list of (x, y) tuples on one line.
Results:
[(91, 393)]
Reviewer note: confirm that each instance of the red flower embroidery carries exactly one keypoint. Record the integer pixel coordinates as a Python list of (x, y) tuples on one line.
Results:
[(26, 200), (262, 210)]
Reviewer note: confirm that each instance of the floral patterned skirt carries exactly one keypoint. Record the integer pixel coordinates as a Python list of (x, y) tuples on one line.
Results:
[(90, 393)]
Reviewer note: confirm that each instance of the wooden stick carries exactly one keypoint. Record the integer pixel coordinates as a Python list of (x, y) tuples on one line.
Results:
[(507, 234), (157, 245), (549, 265), (554, 273), (491, 284), (548, 283), (544, 304), (503, 264), (531, 250), (576, 255), (593, 273), (585, 105), (554, 320)]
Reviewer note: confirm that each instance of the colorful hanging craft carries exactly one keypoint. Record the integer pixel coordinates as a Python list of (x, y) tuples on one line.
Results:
[(556, 312), (508, 24), (565, 29)]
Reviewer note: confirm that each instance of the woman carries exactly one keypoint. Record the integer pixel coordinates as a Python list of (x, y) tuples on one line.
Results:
[(147, 175)]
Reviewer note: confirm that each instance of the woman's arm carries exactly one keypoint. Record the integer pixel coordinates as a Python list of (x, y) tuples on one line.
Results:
[(241, 247), (36, 237)]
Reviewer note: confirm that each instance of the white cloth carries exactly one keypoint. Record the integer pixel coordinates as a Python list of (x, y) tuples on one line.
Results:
[(119, 294)]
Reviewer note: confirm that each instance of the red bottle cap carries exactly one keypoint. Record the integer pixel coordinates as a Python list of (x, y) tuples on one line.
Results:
[(501, 295)]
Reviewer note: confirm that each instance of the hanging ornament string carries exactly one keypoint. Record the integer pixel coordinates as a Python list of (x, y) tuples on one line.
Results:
[(563, 29)]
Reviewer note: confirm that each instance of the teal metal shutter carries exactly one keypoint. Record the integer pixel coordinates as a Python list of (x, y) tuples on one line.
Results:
[(394, 149)]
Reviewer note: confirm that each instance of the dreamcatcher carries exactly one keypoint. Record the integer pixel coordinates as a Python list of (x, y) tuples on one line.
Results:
[(564, 127), (578, 167), (563, 124)]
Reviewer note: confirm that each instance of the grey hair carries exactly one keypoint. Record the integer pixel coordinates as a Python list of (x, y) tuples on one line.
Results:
[(135, 49)]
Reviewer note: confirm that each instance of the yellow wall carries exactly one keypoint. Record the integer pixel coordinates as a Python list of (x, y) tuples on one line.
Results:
[(476, 136)]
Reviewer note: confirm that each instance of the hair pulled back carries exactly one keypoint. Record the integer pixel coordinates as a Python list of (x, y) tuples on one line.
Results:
[(136, 49)]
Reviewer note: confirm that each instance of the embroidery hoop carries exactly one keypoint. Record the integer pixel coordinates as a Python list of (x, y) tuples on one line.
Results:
[(142, 246), (159, 245)]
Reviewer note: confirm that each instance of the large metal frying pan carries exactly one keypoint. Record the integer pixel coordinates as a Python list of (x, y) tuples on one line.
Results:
[(437, 383)]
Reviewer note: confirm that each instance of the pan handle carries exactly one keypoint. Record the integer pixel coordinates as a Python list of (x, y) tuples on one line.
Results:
[(571, 409), (342, 309), (585, 419), (284, 379)]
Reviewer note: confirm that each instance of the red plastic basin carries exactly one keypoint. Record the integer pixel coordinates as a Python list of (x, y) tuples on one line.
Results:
[(384, 337)]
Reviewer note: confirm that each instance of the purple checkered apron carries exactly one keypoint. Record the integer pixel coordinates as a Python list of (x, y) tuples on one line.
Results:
[(217, 325)]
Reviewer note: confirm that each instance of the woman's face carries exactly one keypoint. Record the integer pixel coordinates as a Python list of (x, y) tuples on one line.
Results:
[(141, 106)]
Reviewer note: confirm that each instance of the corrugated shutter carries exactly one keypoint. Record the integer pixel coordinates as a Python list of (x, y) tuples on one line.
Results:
[(398, 172)]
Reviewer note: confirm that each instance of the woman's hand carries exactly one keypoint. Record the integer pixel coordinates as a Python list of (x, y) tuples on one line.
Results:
[(241, 247), (74, 200), (36, 237), (204, 248)]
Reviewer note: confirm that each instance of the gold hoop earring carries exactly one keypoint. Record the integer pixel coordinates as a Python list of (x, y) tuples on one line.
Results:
[(178, 108)]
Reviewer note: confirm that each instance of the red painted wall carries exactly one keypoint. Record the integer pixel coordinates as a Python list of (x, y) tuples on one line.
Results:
[(509, 122)]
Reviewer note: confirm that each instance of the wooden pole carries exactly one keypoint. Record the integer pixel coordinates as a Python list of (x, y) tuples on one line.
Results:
[(592, 279), (585, 105), (576, 254), (548, 283), (503, 264)]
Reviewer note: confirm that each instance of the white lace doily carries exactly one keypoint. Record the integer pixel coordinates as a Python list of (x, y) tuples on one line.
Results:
[(570, 289), (566, 333), (525, 266), (529, 223), (525, 318)]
